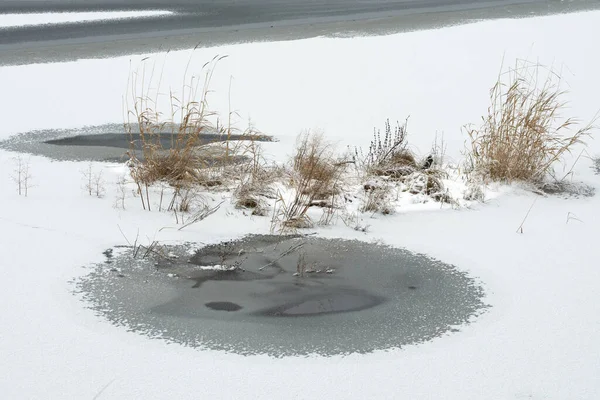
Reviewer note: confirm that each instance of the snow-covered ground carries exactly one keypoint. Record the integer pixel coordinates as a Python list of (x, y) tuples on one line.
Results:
[(540, 339), (32, 19)]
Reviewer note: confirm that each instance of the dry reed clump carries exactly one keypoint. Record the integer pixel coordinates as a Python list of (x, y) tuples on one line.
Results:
[(523, 134), (171, 149), (189, 118), (315, 176), (177, 165)]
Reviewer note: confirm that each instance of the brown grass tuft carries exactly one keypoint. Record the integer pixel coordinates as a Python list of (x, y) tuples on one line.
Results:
[(523, 134), (315, 175), (170, 148)]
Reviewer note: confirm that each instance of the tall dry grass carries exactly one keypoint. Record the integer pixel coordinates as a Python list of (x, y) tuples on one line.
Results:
[(185, 162), (315, 175), (524, 132), (189, 116)]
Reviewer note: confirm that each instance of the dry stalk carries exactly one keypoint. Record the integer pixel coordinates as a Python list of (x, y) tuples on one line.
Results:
[(121, 192), (520, 228)]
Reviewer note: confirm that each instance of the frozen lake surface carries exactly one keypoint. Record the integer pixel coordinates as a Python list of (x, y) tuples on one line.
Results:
[(205, 23)]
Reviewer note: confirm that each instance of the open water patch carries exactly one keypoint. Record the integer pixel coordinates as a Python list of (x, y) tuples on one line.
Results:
[(284, 295), (109, 142)]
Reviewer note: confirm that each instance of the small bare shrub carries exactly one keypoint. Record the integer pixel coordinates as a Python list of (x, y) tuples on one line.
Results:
[(121, 192), (329, 210), (93, 181), (22, 176), (154, 248), (523, 134), (186, 203), (389, 156)]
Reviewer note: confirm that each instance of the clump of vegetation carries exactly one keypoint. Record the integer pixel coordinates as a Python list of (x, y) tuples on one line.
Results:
[(390, 161), (389, 156), (523, 133), (172, 150), (178, 165), (315, 176)]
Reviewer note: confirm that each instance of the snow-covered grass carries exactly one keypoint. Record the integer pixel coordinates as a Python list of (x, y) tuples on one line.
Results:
[(540, 338), (32, 19)]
